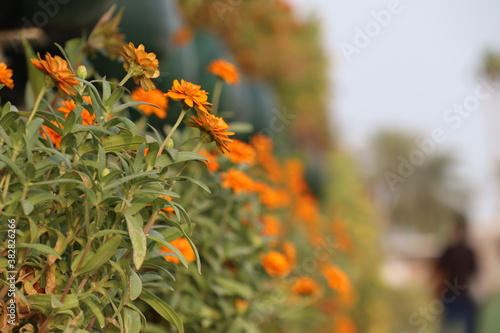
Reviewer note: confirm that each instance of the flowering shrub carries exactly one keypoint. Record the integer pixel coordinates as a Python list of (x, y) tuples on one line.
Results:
[(118, 227)]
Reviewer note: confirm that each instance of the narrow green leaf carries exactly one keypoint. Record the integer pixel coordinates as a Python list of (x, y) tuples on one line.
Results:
[(102, 255), (96, 310), (163, 309), (40, 248), (117, 143), (137, 238)]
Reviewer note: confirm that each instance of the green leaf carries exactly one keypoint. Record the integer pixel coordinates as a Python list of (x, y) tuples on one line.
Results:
[(117, 143), (132, 320), (96, 310), (43, 302), (171, 248), (13, 167), (193, 181), (128, 178), (163, 309), (135, 285), (235, 287), (40, 248), (101, 256), (138, 239), (26, 206)]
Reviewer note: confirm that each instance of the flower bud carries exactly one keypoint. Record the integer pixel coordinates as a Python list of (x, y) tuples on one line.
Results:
[(81, 72), (170, 143), (105, 172)]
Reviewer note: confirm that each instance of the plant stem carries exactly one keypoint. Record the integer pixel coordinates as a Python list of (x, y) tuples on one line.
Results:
[(37, 103), (125, 79), (216, 97), (177, 123)]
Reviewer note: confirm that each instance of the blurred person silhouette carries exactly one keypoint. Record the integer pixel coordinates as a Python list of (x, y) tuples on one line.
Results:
[(455, 269)]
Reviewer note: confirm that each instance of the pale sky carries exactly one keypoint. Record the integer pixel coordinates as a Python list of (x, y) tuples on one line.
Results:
[(417, 64)]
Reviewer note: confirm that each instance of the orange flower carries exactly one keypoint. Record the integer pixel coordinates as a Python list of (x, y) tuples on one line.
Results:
[(154, 96), (264, 147), (345, 324), (272, 198), (237, 180), (212, 164), (142, 66), (167, 210), (294, 171), (6, 75), (276, 264), (241, 305), (307, 209), (342, 236), (184, 247), (305, 286), (272, 226), (225, 70), (290, 251), (87, 118), (57, 69), (182, 36), (212, 128), (190, 94), (337, 279), (262, 143), (240, 152), (54, 136)]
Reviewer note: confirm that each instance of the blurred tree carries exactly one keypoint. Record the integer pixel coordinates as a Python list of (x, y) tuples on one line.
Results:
[(416, 191)]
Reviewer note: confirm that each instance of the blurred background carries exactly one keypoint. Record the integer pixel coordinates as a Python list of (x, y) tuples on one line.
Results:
[(394, 105)]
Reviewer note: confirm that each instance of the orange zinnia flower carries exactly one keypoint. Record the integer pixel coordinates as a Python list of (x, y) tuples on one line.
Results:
[(167, 210), (307, 209), (154, 96), (294, 171), (273, 198), (87, 118), (182, 36), (184, 247), (240, 152), (337, 279), (141, 65), (6, 76), (290, 251), (262, 143), (212, 164), (345, 324), (225, 70), (190, 94), (305, 286), (276, 264), (57, 69), (212, 128), (272, 226), (54, 136), (237, 180)]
